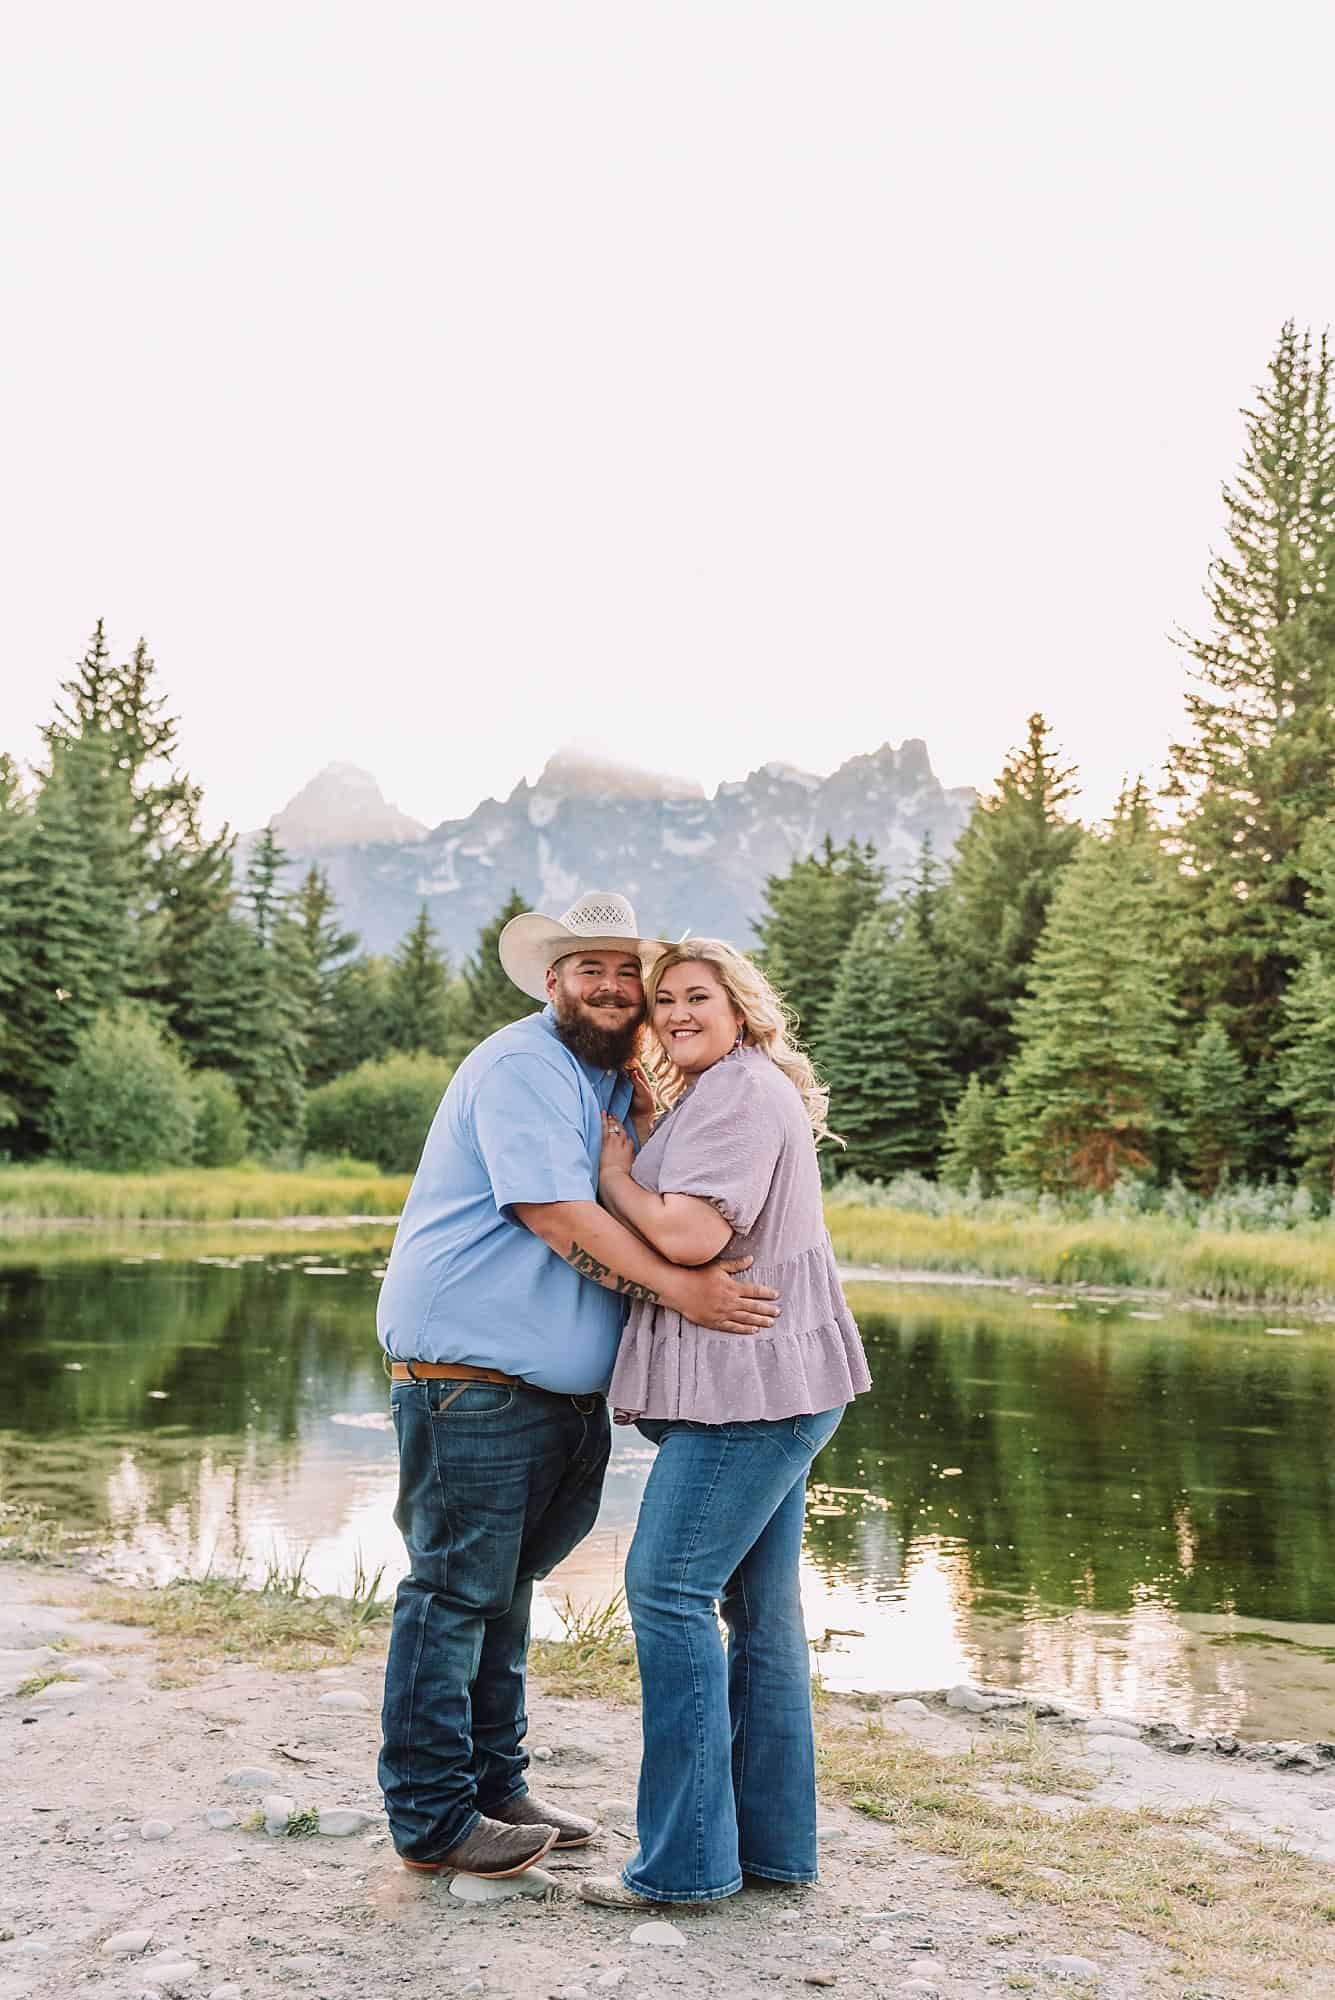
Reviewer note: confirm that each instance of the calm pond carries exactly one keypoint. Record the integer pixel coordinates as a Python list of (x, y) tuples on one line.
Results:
[(1128, 1508)]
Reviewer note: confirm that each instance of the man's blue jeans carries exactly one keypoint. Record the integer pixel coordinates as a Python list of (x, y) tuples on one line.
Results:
[(496, 1486), (727, 1779)]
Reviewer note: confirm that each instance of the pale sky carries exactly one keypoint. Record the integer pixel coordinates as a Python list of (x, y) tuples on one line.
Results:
[(435, 384)]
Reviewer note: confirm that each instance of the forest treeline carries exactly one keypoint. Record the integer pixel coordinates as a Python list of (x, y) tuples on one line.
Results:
[(1056, 1007), (1061, 1007), (161, 1003)]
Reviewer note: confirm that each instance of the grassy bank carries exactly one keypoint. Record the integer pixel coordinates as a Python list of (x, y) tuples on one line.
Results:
[(1236, 1917), (198, 1194), (33, 1245), (1271, 1267), (1240, 1266)]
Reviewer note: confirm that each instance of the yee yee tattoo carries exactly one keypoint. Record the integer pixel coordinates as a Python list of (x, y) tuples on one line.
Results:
[(590, 1266)]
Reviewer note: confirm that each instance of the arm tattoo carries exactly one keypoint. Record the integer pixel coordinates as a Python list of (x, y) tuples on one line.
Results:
[(589, 1266), (629, 1289)]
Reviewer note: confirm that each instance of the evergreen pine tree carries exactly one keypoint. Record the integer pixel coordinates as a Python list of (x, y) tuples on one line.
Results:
[(973, 1142), (486, 998), (271, 1073), (1215, 1108), (1006, 865), (359, 1015), (116, 722), (15, 938), (883, 1051), (215, 1003), (418, 979), (924, 896), (810, 915), (1305, 1072), (1259, 767), (1090, 1093), (61, 925), (324, 946)]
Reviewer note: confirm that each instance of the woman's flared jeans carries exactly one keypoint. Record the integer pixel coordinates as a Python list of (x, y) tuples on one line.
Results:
[(727, 1781)]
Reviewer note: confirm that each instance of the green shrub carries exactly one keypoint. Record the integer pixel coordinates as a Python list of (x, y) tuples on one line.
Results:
[(379, 1111), (125, 1104), (222, 1133)]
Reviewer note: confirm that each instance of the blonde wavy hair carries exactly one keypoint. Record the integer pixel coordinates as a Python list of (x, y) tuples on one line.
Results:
[(766, 1024)]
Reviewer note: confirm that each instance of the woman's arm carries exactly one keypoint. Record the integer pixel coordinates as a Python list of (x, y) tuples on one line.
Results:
[(685, 1228), (603, 1250)]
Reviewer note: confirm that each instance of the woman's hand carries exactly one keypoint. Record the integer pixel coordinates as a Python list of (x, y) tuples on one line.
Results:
[(643, 1109), (618, 1154)]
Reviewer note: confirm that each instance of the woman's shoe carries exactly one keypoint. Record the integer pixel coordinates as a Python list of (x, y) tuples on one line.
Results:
[(611, 1893)]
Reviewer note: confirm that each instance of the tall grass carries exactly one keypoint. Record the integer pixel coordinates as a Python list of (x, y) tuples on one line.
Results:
[(596, 1655), (1258, 1246), (1291, 1267), (198, 1194), (283, 1622)]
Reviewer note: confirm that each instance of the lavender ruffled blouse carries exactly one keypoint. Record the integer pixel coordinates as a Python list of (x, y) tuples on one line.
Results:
[(740, 1138)]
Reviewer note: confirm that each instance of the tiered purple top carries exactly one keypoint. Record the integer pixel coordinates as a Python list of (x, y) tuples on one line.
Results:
[(740, 1137)]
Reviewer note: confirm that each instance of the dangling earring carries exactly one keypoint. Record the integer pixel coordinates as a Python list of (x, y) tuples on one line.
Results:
[(741, 1036)]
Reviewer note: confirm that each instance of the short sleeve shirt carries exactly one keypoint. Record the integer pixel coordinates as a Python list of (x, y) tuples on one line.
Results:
[(521, 1121)]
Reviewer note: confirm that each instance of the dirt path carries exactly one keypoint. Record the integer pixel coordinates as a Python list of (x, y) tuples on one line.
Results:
[(90, 1766)]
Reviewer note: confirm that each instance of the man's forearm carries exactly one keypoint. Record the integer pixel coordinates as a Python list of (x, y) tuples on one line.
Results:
[(599, 1247)]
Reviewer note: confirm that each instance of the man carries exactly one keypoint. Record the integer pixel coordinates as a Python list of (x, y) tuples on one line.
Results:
[(500, 1314)]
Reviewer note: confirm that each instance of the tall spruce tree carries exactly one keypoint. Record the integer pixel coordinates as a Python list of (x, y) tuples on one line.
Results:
[(973, 1138), (485, 998), (117, 720), (15, 937), (883, 1050), (62, 923), (324, 948), (214, 1007), (1005, 868), (418, 1013), (1305, 1072), (272, 1072), (1091, 1092), (1259, 765), (810, 915), (359, 1014), (1216, 1108)]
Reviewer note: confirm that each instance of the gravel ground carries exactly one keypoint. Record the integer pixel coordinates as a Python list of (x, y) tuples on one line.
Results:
[(105, 1835)]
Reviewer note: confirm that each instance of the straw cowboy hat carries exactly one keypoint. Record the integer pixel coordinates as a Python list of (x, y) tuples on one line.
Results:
[(599, 921)]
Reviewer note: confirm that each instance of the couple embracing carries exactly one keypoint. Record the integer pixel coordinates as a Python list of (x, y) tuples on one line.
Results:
[(571, 1227)]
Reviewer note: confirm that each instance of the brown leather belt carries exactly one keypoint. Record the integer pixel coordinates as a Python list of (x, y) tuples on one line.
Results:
[(449, 1371)]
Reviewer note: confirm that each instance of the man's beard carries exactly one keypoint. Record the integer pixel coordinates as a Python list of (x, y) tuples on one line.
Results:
[(599, 1046)]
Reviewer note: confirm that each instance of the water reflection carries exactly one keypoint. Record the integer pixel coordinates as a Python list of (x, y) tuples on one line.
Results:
[(1135, 1513)]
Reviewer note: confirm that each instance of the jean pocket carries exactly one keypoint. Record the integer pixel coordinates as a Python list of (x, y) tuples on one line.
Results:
[(816, 1431), (468, 1399)]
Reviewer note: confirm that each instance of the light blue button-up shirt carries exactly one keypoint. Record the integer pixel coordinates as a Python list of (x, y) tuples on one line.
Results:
[(521, 1121)]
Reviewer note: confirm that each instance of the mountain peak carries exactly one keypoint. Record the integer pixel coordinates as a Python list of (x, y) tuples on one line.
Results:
[(575, 774), (342, 806)]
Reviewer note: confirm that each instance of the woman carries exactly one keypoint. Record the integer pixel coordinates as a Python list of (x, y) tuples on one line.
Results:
[(727, 1781)]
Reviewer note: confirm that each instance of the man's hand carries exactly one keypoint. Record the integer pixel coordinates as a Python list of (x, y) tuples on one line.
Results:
[(714, 1298)]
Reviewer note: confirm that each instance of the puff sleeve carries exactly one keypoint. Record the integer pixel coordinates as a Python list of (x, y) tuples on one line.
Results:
[(725, 1143)]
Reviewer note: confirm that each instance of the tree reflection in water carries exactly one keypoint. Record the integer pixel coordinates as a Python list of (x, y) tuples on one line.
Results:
[(1131, 1511)]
